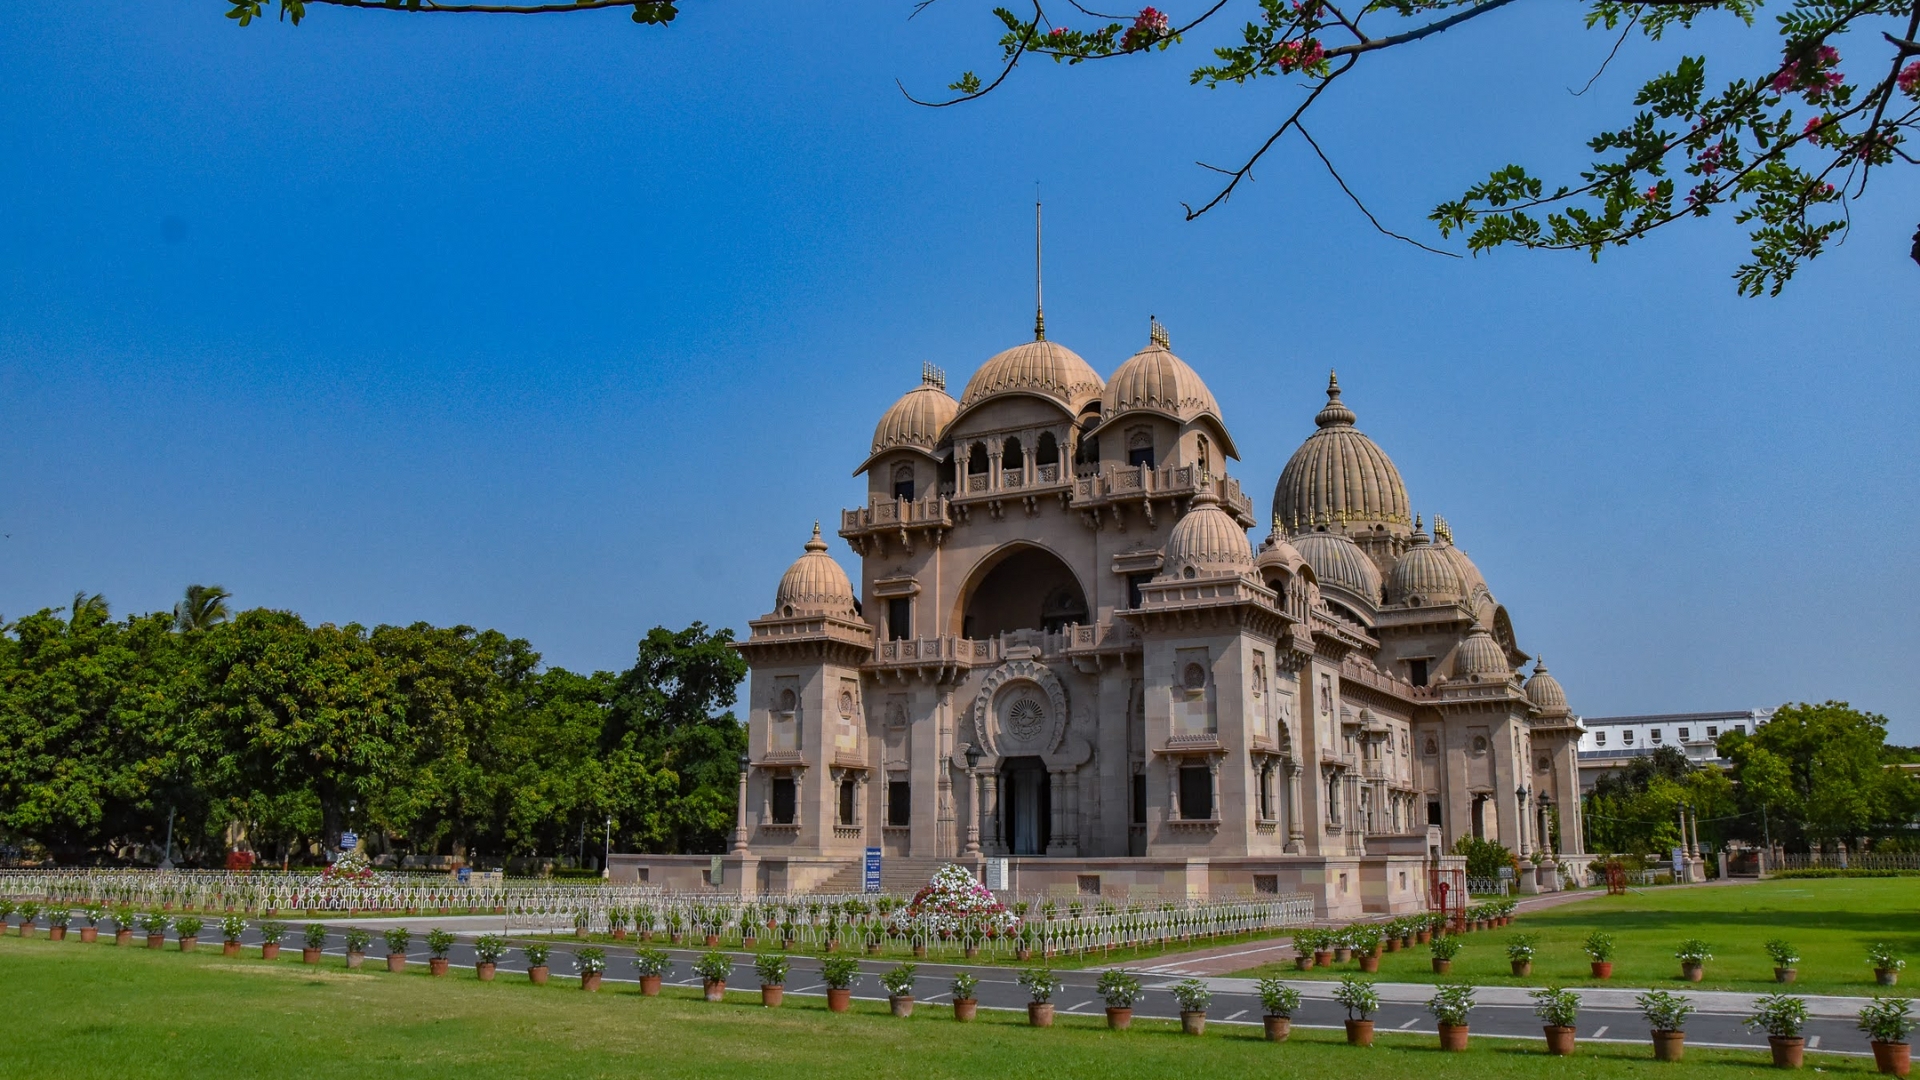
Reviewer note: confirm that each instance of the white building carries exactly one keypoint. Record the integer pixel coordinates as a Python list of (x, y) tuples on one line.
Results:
[(1610, 742)]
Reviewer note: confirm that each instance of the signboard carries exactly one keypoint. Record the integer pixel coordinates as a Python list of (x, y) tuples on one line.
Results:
[(872, 882), (997, 875), (464, 875), (1679, 862), (349, 841), (716, 871)]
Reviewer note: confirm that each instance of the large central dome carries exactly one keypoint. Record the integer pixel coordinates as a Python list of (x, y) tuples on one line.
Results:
[(1042, 368), (1339, 480)]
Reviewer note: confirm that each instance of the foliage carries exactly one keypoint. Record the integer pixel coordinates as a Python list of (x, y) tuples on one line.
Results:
[(1599, 946), (772, 968), (61, 916), (1783, 954), (1815, 773), (590, 960), (398, 938), (899, 981), (954, 901), (652, 962), (271, 931), (838, 972), (1782, 1015), (964, 984), (94, 913), (1119, 988), (358, 938), (1555, 1006), (1664, 1011), (1041, 984), (1485, 858), (1358, 996), (1192, 994), (1446, 946), (1636, 809), (715, 966), (438, 942), (1881, 956), (1887, 1019), (1450, 1003), (489, 948), (316, 935), (233, 927), (1692, 951), (153, 922), (123, 917), (1520, 946), (1277, 998), (537, 954)]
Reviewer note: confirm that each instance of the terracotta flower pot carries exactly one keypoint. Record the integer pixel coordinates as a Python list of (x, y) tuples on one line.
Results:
[(1785, 975), (309, 956), (1421, 937), (1390, 945), (397, 962), (1341, 954), (1602, 969), (270, 951), (1303, 963), (1322, 958), (1193, 1022), (964, 1009), (1453, 1037), (1669, 1045), (156, 941), (772, 996), (26, 929), (1522, 967), (1892, 1058), (902, 1005), (715, 989), (1559, 1040), (355, 959), (1278, 1027), (437, 966), (650, 985), (1693, 972), (1360, 1032), (1119, 1019), (538, 975), (484, 970), (590, 982), (1370, 962), (231, 948), (1886, 976), (1788, 1051), (920, 952), (56, 933), (1441, 967), (873, 948), (89, 934), (712, 940), (1040, 1013), (838, 999), (188, 944)]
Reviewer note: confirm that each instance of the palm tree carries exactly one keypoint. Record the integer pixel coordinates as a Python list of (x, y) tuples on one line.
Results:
[(87, 606), (204, 606)]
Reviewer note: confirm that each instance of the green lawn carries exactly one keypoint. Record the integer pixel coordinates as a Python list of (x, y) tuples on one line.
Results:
[(82, 1011), (1831, 921)]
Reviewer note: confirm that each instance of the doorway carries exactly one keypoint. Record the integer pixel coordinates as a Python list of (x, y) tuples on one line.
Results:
[(1026, 806)]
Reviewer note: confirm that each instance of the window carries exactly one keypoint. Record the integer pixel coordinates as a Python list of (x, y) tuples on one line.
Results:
[(1655, 736), (1417, 671), (1139, 798), (903, 483), (784, 800), (1266, 793), (899, 803), (1134, 581), (1713, 731), (1011, 456), (1089, 884), (900, 618), (1433, 812), (1048, 451), (1196, 793), (1599, 738), (1266, 884), (1200, 458), (1194, 677), (1739, 729), (846, 802), (1140, 449), (977, 463), (1683, 734), (1627, 736)]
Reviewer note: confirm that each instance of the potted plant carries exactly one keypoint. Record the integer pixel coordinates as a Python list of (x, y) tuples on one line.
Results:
[(899, 984), (1784, 959), (187, 929), (1193, 996), (537, 954), (232, 928), (1423, 928), (155, 923), (1782, 1015), (1120, 989), (93, 913), (1278, 1002), (652, 965), (487, 951), (1520, 953), (838, 972), (316, 939), (1366, 946), (1303, 942), (1450, 1004), (1323, 948), (1041, 984), (1342, 944), (1887, 1024), (1667, 1015), (1693, 957), (964, 1003), (123, 925), (713, 967), (1599, 948), (57, 920), (438, 942), (1444, 948), (398, 937), (1558, 1010), (29, 913), (270, 934), (772, 968), (1886, 966), (358, 938), (1361, 1001), (591, 962)]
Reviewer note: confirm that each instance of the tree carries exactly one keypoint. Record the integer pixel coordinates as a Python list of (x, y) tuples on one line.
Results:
[(1819, 774), (668, 708), (1685, 150), (1637, 808), (203, 606)]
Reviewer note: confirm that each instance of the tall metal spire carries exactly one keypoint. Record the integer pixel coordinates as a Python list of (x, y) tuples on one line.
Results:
[(1039, 305)]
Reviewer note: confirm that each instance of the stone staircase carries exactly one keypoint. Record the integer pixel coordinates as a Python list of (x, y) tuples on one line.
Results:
[(900, 875)]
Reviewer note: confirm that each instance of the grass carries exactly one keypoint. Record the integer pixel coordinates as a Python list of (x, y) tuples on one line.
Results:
[(85, 1011), (1830, 921)]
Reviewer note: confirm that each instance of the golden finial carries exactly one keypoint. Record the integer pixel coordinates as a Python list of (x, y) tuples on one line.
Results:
[(1039, 304), (1157, 334), (932, 376), (1441, 529)]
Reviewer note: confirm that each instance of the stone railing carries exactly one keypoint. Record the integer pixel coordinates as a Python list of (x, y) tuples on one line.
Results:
[(881, 513)]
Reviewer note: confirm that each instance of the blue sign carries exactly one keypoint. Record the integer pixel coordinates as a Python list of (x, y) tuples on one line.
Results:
[(464, 875), (349, 841), (873, 870)]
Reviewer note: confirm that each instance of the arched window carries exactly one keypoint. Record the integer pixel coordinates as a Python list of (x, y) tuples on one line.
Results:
[(903, 482), (1011, 456), (1048, 450), (1202, 457), (1140, 447), (977, 459)]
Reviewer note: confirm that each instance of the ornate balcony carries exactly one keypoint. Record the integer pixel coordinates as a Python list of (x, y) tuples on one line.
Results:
[(1108, 494), (900, 521)]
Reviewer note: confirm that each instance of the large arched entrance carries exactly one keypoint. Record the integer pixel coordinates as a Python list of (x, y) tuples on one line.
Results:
[(1027, 588), (1026, 804)]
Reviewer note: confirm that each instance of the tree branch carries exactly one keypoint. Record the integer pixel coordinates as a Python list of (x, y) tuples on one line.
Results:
[(1611, 53), (1246, 169), (1335, 173), (479, 9)]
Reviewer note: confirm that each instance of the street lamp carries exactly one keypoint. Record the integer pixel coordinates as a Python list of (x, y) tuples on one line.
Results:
[(972, 754)]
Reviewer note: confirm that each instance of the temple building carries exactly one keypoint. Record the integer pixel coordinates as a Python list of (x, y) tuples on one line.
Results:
[(1062, 650)]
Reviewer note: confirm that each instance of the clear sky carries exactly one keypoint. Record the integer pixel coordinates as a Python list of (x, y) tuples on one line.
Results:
[(571, 327)]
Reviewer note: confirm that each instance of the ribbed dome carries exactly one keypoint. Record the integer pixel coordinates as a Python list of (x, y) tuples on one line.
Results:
[(1480, 656), (1207, 541), (1155, 380), (1339, 478), (814, 584), (1036, 367), (1424, 571), (1544, 690), (916, 420), (1278, 553), (1339, 563)]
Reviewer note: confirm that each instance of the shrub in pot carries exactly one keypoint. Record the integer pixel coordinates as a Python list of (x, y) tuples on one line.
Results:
[(964, 1003), (155, 923), (1559, 1011), (537, 954), (838, 972), (1785, 959), (123, 923), (1693, 957), (187, 929), (590, 962), (899, 984), (1599, 949), (1303, 948), (772, 968), (1444, 948), (357, 941), (270, 934), (57, 920), (1366, 946), (93, 913), (651, 965), (1277, 1004), (232, 928), (1120, 989), (1194, 997), (1450, 1004), (1667, 1015), (438, 942), (29, 914), (487, 951), (1782, 1016), (1361, 1001), (7, 908), (316, 939), (713, 967), (1041, 984), (1886, 966), (1520, 953), (1888, 1022), (398, 938)]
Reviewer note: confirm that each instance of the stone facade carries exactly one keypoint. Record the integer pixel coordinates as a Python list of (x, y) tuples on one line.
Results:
[(1063, 650)]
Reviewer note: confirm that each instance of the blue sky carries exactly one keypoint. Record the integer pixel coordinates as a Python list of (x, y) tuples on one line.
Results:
[(571, 327)]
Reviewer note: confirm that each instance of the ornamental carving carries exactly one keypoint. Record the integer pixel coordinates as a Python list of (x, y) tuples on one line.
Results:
[(1021, 708)]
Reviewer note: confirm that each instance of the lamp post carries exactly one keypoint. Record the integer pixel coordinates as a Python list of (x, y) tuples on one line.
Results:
[(740, 825), (606, 860), (973, 784)]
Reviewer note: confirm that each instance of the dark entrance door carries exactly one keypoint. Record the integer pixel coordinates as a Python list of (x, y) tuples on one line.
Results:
[(1026, 805)]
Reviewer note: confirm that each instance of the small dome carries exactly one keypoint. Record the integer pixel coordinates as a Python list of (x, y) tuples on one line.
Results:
[(1045, 368), (1339, 563), (1425, 573), (1544, 690), (1479, 656), (1276, 552), (1339, 478), (815, 584), (1206, 541), (1155, 380), (917, 420)]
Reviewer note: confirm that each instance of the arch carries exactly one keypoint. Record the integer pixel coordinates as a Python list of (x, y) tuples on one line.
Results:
[(977, 463), (903, 485), (1047, 451), (1020, 586), (1201, 456), (1140, 446), (1012, 454), (1503, 630), (1007, 688)]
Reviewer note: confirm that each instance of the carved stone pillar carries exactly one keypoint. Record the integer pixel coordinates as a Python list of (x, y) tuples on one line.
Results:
[(989, 804), (1296, 833), (1056, 813)]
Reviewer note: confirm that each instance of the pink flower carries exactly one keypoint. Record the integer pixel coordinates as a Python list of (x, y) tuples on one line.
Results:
[(1784, 79), (1827, 189), (1827, 56), (1058, 31), (1813, 125), (1653, 193), (1910, 78), (1151, 20)]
